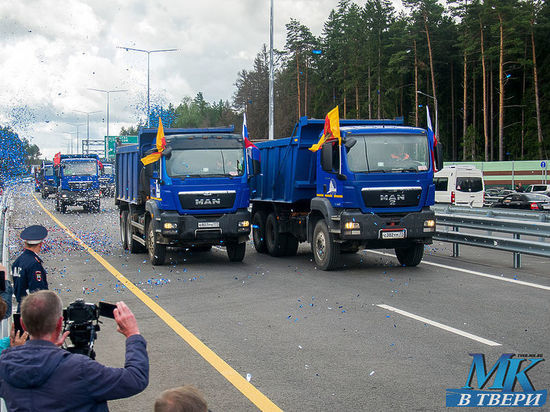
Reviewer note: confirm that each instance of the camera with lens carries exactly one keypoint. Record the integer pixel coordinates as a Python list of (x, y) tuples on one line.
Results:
[(81, 319)]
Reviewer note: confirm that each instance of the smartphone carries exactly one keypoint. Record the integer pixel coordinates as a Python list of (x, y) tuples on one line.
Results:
[(17, 323), (106, 309), (2, 281)]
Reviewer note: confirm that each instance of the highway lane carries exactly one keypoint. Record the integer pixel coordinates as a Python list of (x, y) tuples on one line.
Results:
[(311, 340)]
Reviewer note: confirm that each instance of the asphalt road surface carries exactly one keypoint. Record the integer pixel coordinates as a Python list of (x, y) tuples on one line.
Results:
[(279, 333)]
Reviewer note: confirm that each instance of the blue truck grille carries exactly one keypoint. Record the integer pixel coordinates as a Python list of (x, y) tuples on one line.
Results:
[(218, 199), (80, 185), (391, 197)]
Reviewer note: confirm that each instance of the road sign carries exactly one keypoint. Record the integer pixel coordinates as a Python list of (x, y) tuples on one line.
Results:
[(111, 143)]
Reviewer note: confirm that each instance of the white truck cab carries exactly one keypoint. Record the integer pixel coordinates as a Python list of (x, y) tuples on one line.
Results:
[(460, 185)]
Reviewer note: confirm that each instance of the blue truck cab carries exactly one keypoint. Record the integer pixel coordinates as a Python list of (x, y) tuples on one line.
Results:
[(77, 178), (107, 179), (195, 196), (48, 185), (374, 190)]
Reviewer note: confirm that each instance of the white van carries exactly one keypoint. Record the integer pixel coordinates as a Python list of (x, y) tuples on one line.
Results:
[(460, 185)]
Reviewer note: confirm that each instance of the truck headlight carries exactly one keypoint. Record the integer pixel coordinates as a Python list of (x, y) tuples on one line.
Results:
[(169, 225), (352, 225), (64, 196), (244, 223), (429, 225)]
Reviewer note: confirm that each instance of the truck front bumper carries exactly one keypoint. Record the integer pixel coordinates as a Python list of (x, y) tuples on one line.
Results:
[(385, 230), (203, 229), (75, 198)]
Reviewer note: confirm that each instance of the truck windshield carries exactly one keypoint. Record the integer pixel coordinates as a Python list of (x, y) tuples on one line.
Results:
[(48, 171), (395, 153), (107, 169), (205, 162), (80, 168)]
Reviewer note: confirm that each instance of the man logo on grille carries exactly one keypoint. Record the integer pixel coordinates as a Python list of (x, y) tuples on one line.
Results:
[(211, 202)]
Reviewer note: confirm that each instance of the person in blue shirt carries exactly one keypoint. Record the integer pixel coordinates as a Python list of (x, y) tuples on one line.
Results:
[(27, 271)]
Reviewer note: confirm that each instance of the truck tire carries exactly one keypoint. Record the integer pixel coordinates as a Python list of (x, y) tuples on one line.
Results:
[(96, 207), (123, 234), (258, 231), (133, 245), (411, 255), (326, 252), (235, 251), (57, 208), (291, 244), (157, 252), (63, 208), (44, 194), (275, 242)]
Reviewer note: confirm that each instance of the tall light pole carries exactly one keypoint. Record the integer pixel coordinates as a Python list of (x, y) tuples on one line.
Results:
[(148, 67), (271, 97), (87, 126), (436, 118), (108, 92), (71, 140)]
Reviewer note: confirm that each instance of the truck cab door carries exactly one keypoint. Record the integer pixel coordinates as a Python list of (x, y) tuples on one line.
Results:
[(329, 185)]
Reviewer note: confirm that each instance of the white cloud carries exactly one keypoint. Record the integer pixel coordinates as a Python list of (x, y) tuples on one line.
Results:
[(55, 50)]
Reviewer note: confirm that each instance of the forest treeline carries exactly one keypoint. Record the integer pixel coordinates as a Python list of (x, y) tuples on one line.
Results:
[(482, 66)]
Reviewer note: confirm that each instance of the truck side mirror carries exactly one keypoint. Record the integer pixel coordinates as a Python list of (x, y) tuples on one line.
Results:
[(256, 167), (167, 152), (438, 155), (326, 157)]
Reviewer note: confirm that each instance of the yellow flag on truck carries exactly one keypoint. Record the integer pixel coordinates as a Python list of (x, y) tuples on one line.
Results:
[(332, 129), (160, 143)]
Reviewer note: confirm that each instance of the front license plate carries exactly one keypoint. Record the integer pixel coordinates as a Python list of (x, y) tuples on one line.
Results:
[(546, 207), (393, 234), (81, 199), (209, 224)]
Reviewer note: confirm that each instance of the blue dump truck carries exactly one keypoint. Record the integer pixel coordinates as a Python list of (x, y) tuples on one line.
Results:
[(372, 191), (48, 185), (107, 179), (77, 178), (195, 196)]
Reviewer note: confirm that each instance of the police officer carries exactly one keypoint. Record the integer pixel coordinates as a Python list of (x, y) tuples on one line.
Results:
[(27, 271)]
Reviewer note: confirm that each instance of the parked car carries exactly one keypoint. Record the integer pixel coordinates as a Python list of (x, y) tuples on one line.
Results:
[(538, 188), (530, 201)]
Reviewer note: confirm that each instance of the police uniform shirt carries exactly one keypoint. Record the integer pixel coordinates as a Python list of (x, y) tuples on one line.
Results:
[(28, 274)]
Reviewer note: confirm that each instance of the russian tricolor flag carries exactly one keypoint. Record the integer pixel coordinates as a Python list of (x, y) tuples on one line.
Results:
[(252, 152)]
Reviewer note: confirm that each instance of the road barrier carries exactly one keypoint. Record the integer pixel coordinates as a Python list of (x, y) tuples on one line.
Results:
[(5, 199), (452, 219)]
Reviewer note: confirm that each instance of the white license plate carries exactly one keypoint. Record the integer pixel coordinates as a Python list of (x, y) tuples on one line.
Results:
[(546, 207), (81, 199), (209, 224), (393, 234)]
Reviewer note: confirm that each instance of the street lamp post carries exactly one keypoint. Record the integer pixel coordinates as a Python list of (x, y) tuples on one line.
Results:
[(148, 71), (271, 96), (107, 92), (71, 140), (87, 126), (436, 118)]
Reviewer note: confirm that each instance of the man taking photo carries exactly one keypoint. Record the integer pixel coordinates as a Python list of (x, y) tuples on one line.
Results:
[(40, 376)]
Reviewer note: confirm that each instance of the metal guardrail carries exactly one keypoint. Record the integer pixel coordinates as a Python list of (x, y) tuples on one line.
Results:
[(505, 222), (5, 199)]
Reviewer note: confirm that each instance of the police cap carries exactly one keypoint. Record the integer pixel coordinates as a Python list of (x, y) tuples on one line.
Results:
[(34, 234)]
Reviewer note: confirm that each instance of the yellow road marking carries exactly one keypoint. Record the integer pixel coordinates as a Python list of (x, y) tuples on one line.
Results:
[(246, 388)]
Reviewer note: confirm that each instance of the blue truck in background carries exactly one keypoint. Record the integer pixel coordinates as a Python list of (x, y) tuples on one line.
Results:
[(372, 191), (77, 180), (195, 196), (107, 179), (48, 185)]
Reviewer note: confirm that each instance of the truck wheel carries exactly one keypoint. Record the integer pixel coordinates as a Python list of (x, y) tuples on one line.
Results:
[(235, 251), (123, 234), (57, 208), (291, 245), (411, 255), (274, 241), (44, 194), (157, 252), (326, 252), (63, 208), (97, 206), (258, 231), (133, 245)]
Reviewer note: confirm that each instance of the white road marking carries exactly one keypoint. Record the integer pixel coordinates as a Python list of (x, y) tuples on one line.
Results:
[(473, 272), (440, 325)]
